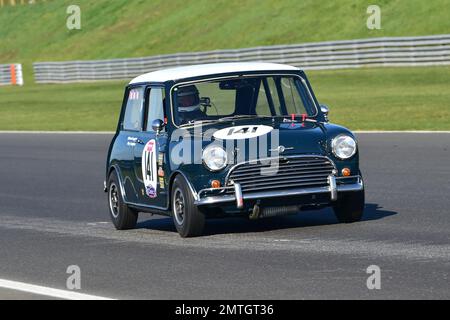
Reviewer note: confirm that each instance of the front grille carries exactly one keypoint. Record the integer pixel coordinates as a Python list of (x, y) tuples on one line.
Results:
[(295, 172)]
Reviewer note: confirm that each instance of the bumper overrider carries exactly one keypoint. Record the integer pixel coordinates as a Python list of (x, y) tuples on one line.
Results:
[(303, 177)]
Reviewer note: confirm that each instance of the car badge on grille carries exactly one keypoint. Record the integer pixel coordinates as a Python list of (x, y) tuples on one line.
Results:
[(280, 149)]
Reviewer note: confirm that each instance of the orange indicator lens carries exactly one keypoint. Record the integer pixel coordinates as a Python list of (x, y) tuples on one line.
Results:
[(215, 184), (346, 172)]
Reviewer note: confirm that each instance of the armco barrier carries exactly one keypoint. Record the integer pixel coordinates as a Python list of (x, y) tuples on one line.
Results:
[(374, 52), (11, 74)]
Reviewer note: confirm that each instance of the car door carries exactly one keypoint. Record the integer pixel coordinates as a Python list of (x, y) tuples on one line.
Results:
[(130, 128), (149, 155)]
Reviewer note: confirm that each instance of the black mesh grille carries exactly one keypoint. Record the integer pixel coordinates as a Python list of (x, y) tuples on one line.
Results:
[(299, 172)]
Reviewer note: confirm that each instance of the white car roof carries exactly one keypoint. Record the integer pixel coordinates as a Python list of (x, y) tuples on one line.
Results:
[(209, 69)]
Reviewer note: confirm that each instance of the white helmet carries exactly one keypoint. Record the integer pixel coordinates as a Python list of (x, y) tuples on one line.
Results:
[(188, 99)]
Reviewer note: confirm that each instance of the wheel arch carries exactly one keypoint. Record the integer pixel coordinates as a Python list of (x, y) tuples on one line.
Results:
[(115, 168), (172, 179)]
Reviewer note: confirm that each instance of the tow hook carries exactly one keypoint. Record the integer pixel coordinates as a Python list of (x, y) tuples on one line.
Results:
[(255, 212), (105, 188)]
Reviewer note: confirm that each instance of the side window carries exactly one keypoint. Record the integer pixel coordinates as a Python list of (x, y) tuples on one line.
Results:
[(132, 119), (155, 106)]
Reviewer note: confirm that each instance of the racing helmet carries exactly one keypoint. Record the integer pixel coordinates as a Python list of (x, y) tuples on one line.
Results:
[(188, 99)]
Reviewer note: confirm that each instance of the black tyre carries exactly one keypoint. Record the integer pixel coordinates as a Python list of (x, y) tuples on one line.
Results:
[(122, 216), (188, 219), (349, 207)]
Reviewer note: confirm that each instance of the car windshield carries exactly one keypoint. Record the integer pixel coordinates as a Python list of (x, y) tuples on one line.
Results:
[(259, 96)]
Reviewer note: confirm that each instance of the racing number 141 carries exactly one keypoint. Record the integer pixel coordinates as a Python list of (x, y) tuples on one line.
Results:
[(243, 130)]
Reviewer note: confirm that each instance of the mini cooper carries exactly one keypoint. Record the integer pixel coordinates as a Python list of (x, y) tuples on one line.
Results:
[(227, 139)]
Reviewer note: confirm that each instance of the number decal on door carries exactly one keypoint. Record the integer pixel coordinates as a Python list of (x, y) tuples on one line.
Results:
[(149, 168)]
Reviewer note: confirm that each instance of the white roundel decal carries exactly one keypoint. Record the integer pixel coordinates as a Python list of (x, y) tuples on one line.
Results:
[(242, 132), (149, 172)]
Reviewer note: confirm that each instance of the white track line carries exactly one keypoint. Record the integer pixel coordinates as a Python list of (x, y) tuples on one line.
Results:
[(49, 292)]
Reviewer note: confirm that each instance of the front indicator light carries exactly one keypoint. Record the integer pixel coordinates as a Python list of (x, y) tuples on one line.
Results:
[(346, 172), (215, 184)]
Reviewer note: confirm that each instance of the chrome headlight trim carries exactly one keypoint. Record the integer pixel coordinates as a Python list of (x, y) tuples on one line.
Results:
[(337, 142), (210, 156)]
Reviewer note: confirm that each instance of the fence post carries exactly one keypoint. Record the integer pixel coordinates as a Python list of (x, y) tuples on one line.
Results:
[(12, 70), (19, 74), (16, 75)]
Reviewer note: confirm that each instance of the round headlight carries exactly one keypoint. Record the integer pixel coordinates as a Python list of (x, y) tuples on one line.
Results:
[(214, 158), (343, 146)]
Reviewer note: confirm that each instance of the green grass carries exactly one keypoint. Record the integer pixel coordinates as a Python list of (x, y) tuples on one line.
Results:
[(361, 99), (124, 28), (387, 98), (134, 28), (76, 107)]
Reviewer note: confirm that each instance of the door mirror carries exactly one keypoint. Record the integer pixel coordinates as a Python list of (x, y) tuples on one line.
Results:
[(158, 125), (325, 110)]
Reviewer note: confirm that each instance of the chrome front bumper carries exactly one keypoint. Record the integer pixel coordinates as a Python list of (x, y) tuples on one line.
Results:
[(239, 197)]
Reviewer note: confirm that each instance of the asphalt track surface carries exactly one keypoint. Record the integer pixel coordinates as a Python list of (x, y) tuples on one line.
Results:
[(53, 214)]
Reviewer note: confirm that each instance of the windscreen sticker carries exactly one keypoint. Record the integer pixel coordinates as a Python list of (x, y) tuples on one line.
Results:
[(160, 159), (134, 95), (149, 172), (161, 183)]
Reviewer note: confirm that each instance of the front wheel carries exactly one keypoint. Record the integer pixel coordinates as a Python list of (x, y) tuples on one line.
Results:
[(349, 207), (188, 219), (122, 216)]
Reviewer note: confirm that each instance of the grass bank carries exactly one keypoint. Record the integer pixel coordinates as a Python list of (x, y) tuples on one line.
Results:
[(361, 99)]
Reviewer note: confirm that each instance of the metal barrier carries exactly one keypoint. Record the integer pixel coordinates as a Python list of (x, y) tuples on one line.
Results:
[(11, 74), (13, 3), (374, 52)]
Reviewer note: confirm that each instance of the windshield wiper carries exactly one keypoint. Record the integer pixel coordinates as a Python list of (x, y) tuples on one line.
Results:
[(243, 116), (193, 122), (231, 118)]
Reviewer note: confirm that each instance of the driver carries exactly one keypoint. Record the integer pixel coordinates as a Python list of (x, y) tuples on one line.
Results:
[(188, 104)]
